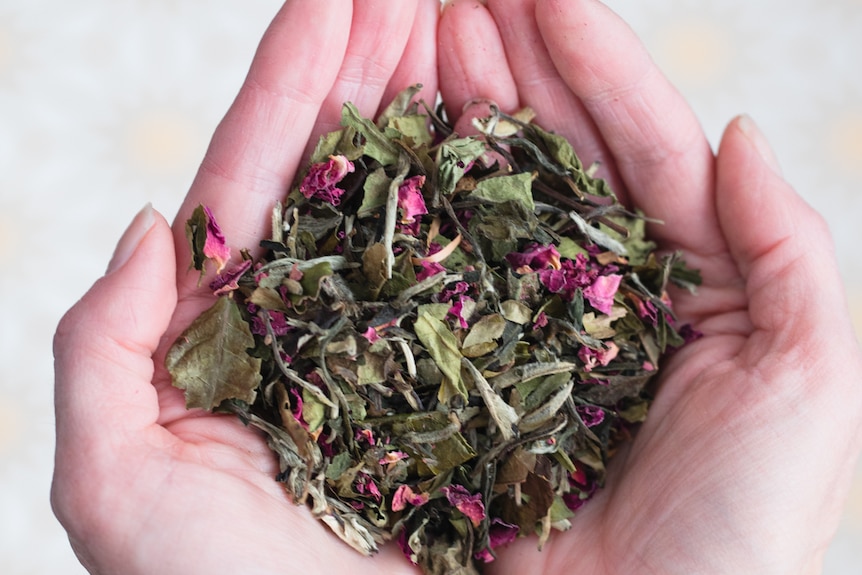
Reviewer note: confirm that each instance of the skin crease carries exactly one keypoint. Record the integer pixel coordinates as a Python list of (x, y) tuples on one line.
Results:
[(745, 460)]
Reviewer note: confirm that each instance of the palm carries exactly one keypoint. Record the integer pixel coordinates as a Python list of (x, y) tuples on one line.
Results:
[(232, 461), (691, 492), (207, 476)]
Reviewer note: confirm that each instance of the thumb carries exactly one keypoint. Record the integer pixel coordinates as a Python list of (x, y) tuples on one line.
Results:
[(782, 247), (103, 346)]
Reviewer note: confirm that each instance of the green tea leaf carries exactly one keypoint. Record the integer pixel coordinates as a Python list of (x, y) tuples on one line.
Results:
[(210, 361), (454, 157), (377, 145), (515, 188), (443, 347), (313, 412), (196, 234), (486, 330), (412, 128), (400, 106), (376, 190)]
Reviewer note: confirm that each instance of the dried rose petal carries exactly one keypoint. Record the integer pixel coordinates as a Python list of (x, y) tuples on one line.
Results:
[(591, 415), (499, 533), (601, 293), (215, 247), (469, 505), (595, 357), (428, 269), (458, 311), (229, 280), (535, 257), (405, 495), (321, 180), (410, 199)]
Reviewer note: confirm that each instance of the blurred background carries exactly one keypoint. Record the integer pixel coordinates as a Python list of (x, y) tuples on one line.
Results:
[(108, 105)]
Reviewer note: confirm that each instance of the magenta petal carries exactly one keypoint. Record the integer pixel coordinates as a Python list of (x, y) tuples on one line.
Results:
[(500, 532), (371, 335), (484, 555), (405, 495), (573, 501), (601, 293), (554, 280), (469, 505), (229, 280), (321, 180), (428, 269), (410, 199), (457, 310), (591, 415), (536, 257), (215, 247), (403, 543)]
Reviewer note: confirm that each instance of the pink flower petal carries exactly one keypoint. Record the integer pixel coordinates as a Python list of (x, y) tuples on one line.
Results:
[(601, 293), (405, 495), (541, 320), (470, 505), (591, 415), (371, 335), (215, 246), (428, 269), (535, 257), (321, 180), (229, 280), (501, 533), (595, 357), (457, 310), (410, 199)]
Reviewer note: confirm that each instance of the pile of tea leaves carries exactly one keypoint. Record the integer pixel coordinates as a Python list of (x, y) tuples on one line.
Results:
[(445, 338)]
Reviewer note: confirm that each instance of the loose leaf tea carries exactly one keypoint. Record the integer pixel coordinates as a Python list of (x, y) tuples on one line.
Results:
[(445, 338)]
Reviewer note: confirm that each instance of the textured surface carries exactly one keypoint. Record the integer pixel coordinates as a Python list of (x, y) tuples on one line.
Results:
[(105, 106)]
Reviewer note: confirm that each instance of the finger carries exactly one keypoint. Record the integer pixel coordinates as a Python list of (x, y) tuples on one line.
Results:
[(257, 147), (471, 59), (797, 306), (378, 36), (541, 87), (782, 247), (418, 63), (104, 345), (659, 147)]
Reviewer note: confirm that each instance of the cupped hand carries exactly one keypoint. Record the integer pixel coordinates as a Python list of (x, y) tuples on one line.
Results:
[(141, 484), (745, 459)]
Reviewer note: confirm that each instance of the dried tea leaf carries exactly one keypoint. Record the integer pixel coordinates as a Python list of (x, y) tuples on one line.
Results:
[(514, 188), (196, 234), (210, 360), (443, 347), (400, 106), (377, 145), (376, 190), (445, 338), (454, 158), (486, 330)]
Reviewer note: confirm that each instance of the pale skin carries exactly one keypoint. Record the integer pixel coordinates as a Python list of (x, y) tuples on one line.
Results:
[(745, 460)]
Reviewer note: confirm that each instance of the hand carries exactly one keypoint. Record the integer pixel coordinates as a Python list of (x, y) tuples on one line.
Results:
[(141, 484), (745, 459)]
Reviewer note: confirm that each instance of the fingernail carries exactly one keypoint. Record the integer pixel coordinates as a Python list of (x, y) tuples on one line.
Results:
[(133, 235), (759, 141), (447, 3)]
